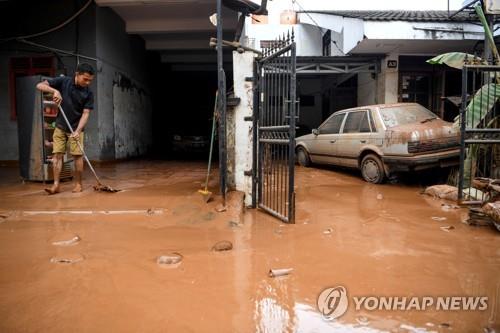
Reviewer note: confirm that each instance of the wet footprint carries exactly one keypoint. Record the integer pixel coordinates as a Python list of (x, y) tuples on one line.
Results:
[(68, 259), (222, 246), (171, 260)]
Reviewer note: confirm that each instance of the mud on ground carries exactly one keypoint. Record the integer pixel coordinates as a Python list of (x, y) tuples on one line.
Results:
[(89, 262)]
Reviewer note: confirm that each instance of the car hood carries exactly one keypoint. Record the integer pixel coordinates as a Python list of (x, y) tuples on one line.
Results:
[(430, 130), (305, 138)]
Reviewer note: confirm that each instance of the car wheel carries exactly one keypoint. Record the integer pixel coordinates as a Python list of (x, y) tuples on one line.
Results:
[(372, 169), (303, 157)]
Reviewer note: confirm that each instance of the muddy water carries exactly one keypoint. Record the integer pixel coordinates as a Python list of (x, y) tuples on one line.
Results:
[(373, 240)]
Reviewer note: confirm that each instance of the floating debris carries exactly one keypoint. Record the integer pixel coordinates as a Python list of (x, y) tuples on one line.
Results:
[(443, 192), (67, 242), (222, 246), (438, 218), (220, 208), (380, 196), (170, 260), (328, 231), (280, 272), (445, 325), (233, 224), (362, 320), (447, 228), (449, 206)]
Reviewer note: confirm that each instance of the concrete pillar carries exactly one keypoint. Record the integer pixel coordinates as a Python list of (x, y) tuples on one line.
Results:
[(388, 80), (242, 68), (367, 89)]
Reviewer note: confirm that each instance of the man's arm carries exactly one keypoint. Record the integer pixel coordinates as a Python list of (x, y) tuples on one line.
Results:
[(81, 124), (45, 87)]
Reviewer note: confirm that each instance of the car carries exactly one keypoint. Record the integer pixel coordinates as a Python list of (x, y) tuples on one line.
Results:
[(189, 143), (381, 140)]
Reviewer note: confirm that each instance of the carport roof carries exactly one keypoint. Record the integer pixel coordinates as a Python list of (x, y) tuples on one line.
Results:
[(401, 15)]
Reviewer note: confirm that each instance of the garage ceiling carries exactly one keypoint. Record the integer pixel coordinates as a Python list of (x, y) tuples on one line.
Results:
[(172, 24)]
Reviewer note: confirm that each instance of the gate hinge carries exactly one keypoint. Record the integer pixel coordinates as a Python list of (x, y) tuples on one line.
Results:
[(248, 118), (248, 173)]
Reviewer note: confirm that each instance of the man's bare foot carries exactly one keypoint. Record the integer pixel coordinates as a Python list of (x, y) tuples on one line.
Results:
[(53, 190), (77, 188)]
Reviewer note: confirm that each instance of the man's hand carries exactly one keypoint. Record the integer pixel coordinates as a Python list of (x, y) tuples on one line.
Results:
[(57, 97), (75, 135)]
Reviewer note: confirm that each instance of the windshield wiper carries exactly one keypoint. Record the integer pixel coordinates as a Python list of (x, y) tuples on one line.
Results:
[(428, 119)]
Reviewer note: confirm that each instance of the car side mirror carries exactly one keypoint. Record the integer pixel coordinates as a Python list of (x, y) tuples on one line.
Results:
[(315, 131)]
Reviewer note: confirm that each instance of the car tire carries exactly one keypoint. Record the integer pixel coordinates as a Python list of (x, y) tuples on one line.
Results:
[(303, 157), (372, 169)]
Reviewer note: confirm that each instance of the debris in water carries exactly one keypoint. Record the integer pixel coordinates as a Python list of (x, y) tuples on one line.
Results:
[(449, 207), (222, 246), (438, 218), (67, 242), (447, 228), (170, 260), (70, 259), (233, 224), (362, 320), (443, 192), (328, 231), (380, 196), (220, 208), (445, 325), (280, 272)]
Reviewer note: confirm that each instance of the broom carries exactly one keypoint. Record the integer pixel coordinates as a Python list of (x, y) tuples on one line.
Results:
[(100, 187)]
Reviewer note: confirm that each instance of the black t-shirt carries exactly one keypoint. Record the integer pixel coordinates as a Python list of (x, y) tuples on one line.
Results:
[(74, 100)]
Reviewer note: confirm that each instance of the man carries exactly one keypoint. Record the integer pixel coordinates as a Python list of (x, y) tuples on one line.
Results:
[(77, 101)]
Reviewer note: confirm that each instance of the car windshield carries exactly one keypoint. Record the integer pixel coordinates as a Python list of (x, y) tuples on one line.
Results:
[(405, 114)]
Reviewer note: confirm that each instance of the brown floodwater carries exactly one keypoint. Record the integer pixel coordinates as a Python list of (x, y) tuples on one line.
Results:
[(90, 262)]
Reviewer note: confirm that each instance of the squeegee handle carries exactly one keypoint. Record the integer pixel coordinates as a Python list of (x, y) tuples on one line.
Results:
[(79, 144)]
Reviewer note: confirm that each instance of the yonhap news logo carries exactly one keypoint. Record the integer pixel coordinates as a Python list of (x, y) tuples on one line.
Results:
[(333, 303)]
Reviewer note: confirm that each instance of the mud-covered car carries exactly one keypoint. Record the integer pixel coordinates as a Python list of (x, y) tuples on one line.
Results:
[(381, 140)]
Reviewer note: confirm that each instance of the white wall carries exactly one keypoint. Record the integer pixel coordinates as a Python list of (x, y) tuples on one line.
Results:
[(243, 67)]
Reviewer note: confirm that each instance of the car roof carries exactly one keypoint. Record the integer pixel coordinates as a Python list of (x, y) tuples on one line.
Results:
[(375, 106)]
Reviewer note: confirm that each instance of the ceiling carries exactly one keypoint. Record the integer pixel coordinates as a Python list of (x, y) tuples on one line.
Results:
[(172, 25)]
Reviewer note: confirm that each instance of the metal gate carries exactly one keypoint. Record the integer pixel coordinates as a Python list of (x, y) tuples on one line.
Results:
[(274, 129), (480, 130)]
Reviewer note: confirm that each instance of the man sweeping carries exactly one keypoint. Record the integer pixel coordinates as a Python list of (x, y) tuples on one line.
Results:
[(77, 100)]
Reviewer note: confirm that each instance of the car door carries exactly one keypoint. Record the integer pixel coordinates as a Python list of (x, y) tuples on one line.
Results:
[(322, 148), (356, 133)]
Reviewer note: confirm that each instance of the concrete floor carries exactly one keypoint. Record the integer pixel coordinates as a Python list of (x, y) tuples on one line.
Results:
[(374, 240)]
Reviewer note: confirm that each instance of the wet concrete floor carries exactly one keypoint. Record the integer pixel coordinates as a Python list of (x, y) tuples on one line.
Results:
[(89, 262)]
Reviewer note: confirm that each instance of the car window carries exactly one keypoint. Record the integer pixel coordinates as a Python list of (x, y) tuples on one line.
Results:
[(332, 125), (356, 122), (405, 114)]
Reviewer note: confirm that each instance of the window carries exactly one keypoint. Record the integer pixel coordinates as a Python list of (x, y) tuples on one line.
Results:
[(405, 115), (27, 66), (357, 122), (415, 88), (332, 125)]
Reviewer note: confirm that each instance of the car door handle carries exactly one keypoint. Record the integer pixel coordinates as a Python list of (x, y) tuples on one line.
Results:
[(362, 141), (332, 141)]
